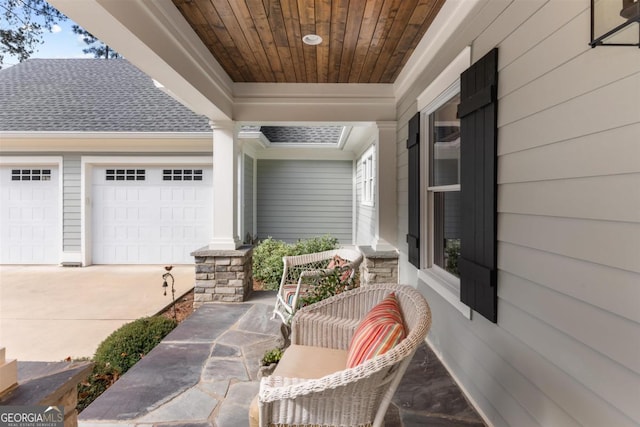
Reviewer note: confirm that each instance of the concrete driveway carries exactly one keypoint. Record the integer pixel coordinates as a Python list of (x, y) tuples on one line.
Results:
[(48, 313)]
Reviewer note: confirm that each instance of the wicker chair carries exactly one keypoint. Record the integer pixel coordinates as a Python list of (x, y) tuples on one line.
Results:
[(356, 396), (302, 271)]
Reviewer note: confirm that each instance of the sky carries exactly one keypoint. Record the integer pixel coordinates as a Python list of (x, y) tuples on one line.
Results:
[(61, 42)]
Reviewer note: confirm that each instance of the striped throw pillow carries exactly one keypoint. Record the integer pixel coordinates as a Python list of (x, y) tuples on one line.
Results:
[(380, 330), (289, 291)]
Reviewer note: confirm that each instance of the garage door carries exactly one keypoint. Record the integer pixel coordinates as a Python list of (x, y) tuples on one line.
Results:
[(29, 215), (150, 215)]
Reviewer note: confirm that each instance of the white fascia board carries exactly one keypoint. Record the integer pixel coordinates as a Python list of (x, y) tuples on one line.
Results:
[(106, 135), (157, 39), (254, 136), (31, 160), (106, 142), (312, 90), (313, 103), (147, 160), (285, 153)]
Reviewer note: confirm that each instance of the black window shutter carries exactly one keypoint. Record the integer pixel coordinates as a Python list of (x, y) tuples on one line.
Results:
[(413, 146), (478, 185)]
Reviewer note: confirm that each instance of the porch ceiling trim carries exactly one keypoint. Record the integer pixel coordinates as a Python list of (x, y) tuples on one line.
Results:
[(169, 50)]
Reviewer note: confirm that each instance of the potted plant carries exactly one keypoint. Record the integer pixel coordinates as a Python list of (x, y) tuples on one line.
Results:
[(269, 362)]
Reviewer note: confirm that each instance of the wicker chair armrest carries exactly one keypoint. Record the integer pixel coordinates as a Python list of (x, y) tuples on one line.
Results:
[(321, 330), (313, 274), (363, 378)]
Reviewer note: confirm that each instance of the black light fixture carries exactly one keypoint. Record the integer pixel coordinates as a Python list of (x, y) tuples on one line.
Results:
[(615, 23)]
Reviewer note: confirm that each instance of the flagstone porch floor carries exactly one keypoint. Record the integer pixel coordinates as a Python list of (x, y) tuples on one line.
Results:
[(204, 374)]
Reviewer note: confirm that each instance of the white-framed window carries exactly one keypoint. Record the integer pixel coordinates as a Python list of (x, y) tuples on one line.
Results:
[(441, 209), (442, 191), (368, 177)]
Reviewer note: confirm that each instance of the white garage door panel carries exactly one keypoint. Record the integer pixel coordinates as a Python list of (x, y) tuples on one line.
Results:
[(150, 221), (29, 215)]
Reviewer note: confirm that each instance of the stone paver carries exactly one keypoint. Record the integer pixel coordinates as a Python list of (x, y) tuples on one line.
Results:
[(193, 404), (209, 324), (235, 409), (221, 369), (221, 350), (218, 377), (168, 370), (217, 389), (201, 374)]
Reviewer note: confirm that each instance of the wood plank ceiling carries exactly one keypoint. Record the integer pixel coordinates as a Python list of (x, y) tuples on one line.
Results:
[(364, 41)]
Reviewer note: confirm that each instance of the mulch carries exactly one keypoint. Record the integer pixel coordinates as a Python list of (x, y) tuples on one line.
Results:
[(183, 306)]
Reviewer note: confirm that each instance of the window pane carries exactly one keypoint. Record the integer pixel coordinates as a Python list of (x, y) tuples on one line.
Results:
[(444, 144), (446, 230)]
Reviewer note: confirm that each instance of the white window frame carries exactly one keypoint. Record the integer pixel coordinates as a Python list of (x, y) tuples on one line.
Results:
[(441, 90), (368, 178)]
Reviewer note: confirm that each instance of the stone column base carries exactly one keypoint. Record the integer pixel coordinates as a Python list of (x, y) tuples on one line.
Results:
[(223, 275), (378, 266)]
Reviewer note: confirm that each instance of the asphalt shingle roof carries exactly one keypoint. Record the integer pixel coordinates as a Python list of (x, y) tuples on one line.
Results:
[(88, 95)]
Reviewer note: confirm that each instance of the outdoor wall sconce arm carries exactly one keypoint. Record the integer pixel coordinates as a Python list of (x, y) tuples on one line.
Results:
[(615, 23)]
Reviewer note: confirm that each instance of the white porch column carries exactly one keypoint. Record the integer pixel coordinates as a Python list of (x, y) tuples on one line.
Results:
[(225, 187), (386, 180)]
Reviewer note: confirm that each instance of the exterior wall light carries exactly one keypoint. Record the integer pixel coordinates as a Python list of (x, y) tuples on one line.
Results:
[(615, 23)]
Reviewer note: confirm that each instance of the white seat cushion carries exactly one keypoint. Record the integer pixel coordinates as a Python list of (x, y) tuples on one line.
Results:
[(301, 361)]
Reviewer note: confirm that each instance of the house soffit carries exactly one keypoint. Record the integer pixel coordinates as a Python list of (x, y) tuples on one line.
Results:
[(185, 53), (261, 40)]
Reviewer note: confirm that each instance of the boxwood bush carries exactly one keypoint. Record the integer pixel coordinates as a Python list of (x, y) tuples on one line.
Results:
[(128, 344), (119, 352), (267, 256)]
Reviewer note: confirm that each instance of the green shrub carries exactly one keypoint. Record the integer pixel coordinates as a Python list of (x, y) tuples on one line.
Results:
[(99, 380), (128, 344), (452, 253), (328, 285), (271, 356), (316, 244), (119, 352), (267, 256), (267, 262)]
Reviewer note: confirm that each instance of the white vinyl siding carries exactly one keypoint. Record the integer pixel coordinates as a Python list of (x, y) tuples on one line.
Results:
[(299, 199), (565, 350)]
